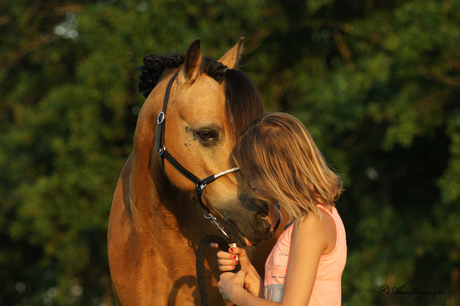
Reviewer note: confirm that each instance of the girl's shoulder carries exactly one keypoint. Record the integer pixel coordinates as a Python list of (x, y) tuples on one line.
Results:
[(312, 220), (321, 228)]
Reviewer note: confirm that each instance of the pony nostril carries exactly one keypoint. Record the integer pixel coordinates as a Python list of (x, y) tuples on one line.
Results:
[(264, 210)]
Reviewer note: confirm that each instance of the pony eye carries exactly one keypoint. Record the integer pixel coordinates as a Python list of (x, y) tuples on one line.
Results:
[(206, 135)]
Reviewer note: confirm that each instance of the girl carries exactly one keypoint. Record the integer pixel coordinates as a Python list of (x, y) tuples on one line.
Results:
[(282, 164)]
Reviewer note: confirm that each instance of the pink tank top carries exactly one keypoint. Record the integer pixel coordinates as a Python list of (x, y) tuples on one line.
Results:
[(327, 290)]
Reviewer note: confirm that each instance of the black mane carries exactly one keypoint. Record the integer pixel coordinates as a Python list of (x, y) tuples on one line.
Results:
[(243, 100), (153, 69)]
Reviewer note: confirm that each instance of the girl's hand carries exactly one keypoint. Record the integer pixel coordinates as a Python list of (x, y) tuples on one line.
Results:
[(227, 261), (231, 284)]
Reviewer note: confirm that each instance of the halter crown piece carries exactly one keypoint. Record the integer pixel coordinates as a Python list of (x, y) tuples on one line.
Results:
[(200, 184)]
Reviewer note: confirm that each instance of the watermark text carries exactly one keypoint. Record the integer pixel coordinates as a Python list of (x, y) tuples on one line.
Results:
[(403, 291)]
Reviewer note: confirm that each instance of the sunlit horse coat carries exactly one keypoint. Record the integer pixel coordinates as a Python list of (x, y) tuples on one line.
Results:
[(155, 222)]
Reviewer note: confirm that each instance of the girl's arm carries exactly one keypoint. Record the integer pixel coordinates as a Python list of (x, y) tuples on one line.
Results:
[(310, 239)]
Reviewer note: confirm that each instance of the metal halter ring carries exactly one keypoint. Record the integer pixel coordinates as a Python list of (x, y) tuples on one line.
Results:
[(213, 219), (161, 118)]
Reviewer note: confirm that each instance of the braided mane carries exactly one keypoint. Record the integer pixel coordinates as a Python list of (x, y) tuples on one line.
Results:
[(243, 100), (153, 69)]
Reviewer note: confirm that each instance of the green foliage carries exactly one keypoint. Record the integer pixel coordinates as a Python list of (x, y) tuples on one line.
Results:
[(376, 83)]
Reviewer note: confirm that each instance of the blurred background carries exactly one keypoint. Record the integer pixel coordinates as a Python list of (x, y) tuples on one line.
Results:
[(377, 83)]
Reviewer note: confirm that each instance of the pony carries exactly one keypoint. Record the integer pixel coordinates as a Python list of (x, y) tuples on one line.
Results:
[(195, 110)]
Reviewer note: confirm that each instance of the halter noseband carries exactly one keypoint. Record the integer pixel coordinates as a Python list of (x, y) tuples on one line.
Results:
[(164, 154)]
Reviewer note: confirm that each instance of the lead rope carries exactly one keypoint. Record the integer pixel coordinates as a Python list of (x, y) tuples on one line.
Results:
[(200, 264)]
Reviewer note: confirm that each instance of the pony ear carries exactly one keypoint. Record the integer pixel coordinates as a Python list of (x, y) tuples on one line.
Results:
[(191, 66), (231, 58)]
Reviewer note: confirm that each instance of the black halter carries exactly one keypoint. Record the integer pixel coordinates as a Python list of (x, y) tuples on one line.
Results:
[(164, 154)]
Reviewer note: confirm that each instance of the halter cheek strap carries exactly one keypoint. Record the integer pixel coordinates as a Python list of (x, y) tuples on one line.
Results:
[(200, 184)]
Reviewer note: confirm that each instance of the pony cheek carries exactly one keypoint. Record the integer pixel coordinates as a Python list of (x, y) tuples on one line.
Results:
[(177, 179)]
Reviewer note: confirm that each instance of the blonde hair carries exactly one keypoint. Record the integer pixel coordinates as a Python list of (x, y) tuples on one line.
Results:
[(277, 154)]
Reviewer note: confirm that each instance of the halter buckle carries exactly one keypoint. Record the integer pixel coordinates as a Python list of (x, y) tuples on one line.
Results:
[(161, 118)]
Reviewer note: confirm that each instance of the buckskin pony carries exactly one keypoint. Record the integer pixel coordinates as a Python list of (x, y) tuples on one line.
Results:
[(156, 220)]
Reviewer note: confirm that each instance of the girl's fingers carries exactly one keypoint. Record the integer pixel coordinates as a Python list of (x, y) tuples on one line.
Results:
[(235, 250), (225, 255), (227, 264), (227, 261), (226, 268)]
